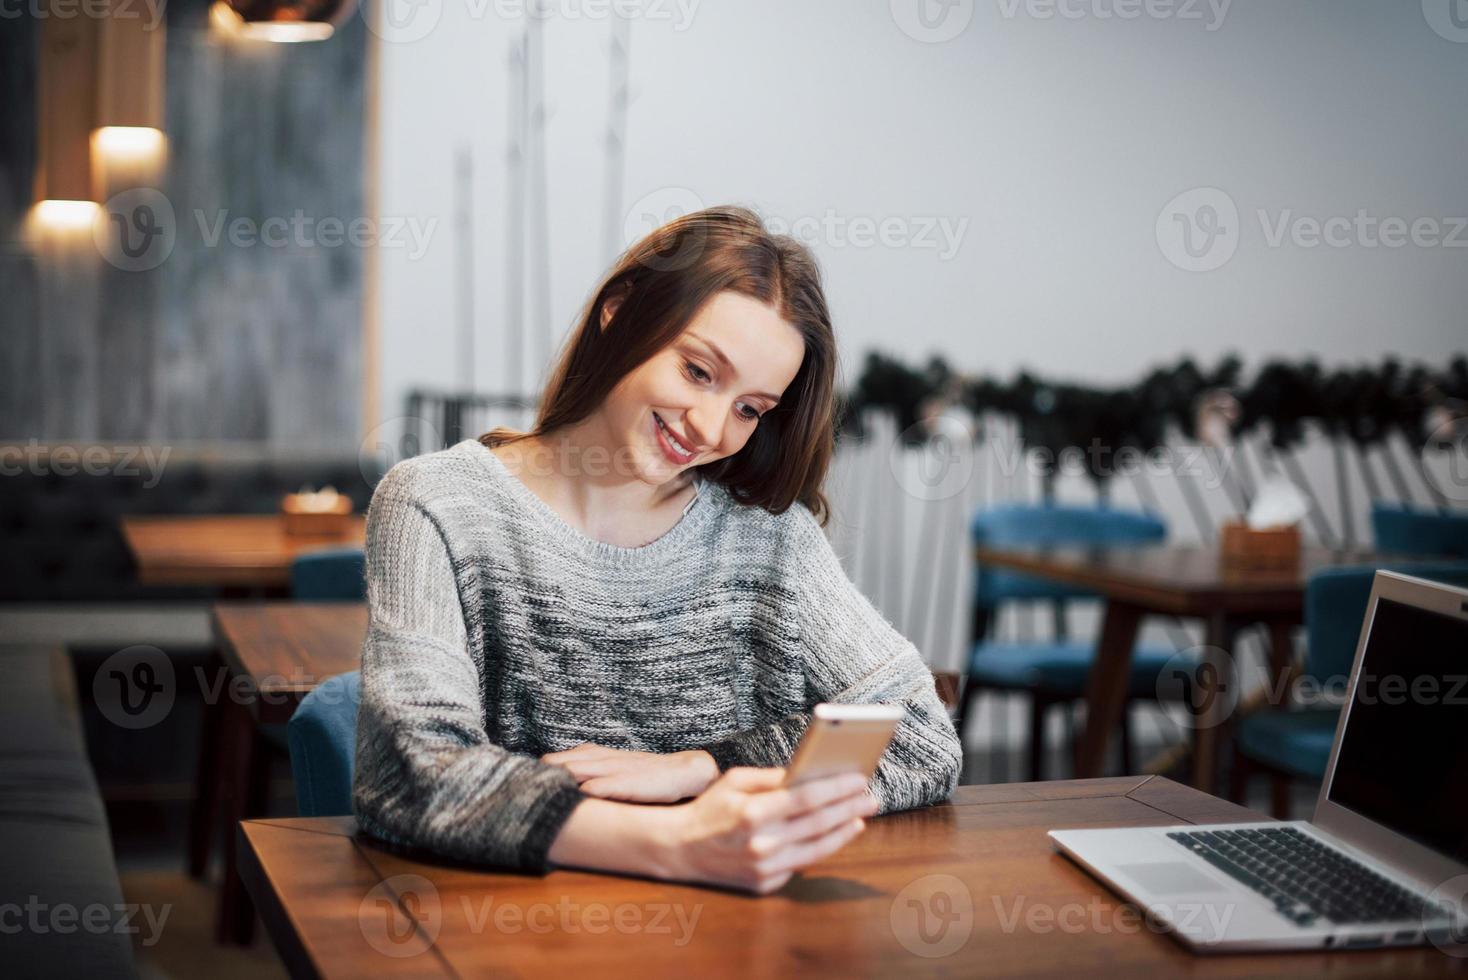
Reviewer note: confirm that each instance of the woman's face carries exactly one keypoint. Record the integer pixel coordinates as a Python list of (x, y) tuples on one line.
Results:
[(688, 405)]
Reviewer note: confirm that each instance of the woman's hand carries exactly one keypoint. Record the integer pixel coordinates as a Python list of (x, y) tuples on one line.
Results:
[(637, 777), (746, 831)]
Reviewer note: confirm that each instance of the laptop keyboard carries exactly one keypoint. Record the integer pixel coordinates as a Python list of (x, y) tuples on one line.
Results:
[(1306, 880)]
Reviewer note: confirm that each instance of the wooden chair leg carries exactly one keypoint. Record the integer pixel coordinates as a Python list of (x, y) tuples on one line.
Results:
[(249, 779), (1279, 796), (1126, 739), (965, 705), (204, 814), (1238, 779), (1001, 738), (1038, 711)]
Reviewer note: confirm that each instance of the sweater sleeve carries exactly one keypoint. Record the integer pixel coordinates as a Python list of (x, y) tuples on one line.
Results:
[(853, 655), (427, 774)]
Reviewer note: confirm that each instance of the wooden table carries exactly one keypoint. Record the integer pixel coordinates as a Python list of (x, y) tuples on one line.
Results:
[(1178, 581), (970, 887), (273, 654), (282, 650), (223, 550)]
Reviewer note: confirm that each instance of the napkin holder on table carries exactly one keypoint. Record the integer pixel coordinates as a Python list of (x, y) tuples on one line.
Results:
[(324, 513)]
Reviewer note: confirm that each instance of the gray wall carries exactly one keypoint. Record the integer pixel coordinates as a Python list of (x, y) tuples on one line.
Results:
[(1059, 140), (227, 339)]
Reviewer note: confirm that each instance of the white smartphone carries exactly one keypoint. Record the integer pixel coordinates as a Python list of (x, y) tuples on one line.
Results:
[(843, 738)]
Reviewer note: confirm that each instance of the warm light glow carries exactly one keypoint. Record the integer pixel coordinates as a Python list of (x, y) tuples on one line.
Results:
[(282, 32), (223, 18), (129, 143), (286, 33), (66, 214)]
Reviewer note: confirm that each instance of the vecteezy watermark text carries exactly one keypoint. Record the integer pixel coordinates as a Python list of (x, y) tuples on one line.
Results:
[(1098, 916), (302, 230), (64, 919), (64, 459), (1200, 230), (1210, 13), (150, 10), (402, 916)]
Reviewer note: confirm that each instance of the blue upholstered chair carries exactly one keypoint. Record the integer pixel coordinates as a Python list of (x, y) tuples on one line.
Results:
[(1400, 529), (1053, 672), (1291, 744), (336, 574), (323, 738)]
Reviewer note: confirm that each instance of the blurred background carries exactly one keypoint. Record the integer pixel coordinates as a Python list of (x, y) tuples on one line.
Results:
[(1102, 272)]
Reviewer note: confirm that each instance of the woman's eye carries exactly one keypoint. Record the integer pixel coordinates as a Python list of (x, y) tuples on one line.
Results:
[(696, 372), (749, 414)]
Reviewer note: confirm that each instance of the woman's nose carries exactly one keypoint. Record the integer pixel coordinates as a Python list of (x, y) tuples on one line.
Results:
[(703, 433)]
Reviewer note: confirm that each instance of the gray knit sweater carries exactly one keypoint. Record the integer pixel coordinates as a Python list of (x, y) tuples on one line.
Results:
[(498, 632)]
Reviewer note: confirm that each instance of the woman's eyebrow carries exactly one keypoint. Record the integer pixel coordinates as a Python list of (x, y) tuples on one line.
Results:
[(728, 364)]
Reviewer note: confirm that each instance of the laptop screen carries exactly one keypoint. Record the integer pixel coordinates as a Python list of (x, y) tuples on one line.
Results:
[(1403, 760)]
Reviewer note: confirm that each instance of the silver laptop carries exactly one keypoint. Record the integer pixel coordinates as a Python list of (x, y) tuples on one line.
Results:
[(1384, 860)]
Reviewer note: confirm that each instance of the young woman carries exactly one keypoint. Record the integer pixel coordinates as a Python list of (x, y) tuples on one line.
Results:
[(634, 603)]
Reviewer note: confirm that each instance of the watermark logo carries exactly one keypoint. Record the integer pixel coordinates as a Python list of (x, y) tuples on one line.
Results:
[(1445, 917), (933, 916), (932, 21), (941, 465), (138, 229), (1448, 19), (401, 21), (401, 916), (655, 209), (135, 687), (1203, 681), (1198, 231), (1445, 459), (393, 441)]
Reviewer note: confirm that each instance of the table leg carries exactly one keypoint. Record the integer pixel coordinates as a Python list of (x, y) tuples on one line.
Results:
[(1282, 672), (247, 778), (1218, 694), (1106, 688), (204, 818), (1281, 661)]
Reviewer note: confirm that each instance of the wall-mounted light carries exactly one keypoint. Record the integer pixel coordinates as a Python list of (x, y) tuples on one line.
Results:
[(66, 89), (99, 109), (281, 20), (128, 143)]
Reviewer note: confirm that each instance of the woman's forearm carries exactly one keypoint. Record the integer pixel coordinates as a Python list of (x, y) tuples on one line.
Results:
[(627, 838)]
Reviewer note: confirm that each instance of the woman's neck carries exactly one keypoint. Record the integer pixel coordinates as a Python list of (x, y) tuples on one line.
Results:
[(576, 471)]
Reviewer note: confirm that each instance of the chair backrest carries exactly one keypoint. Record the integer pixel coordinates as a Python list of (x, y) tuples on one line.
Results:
[(1335, 606), (323, 736), (1052, 525), (329, 575), (1398, 529)]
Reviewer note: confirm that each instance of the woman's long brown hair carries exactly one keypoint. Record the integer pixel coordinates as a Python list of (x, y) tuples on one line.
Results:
[(662, 282)]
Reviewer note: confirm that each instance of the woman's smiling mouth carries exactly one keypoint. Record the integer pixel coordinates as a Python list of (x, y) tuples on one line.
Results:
[(674, 448)]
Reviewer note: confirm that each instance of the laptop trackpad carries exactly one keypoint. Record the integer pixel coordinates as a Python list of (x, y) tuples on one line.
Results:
[(1170, 877)]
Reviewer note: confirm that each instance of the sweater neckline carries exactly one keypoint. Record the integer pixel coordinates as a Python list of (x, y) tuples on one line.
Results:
[(694, 517)]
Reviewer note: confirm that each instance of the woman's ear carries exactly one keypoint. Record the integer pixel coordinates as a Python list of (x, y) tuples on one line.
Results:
[(610, 306)]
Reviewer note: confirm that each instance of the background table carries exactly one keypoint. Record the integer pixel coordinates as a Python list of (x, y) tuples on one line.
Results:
[(1179, 581), (274, 653), (224, 550), (978, 868)]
